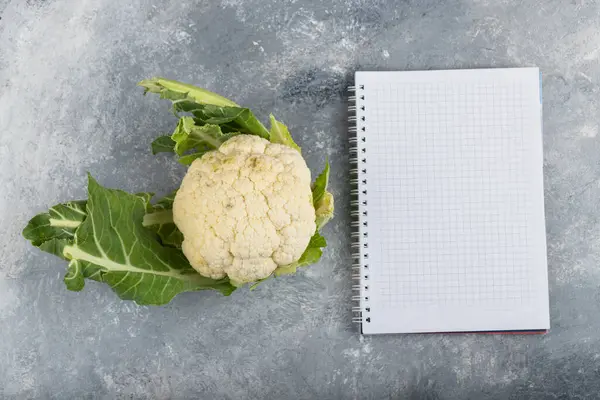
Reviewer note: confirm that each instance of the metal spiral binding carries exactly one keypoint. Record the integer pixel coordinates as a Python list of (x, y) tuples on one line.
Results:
[(358, 181)]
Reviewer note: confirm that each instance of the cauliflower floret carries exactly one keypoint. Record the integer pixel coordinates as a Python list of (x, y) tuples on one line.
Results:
[(245, 209)]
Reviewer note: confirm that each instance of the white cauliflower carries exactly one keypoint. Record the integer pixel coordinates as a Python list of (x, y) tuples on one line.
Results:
[(245, 209)]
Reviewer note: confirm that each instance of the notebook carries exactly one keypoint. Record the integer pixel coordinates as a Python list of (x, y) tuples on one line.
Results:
[(448, 201)]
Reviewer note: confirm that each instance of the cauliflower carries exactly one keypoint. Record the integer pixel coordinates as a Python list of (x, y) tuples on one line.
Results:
[(245, 209)]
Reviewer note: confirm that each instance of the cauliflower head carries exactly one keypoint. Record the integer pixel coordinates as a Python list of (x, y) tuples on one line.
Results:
[(245, 209)]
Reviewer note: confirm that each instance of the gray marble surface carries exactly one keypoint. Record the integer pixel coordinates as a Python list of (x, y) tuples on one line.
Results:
[(68, 104)]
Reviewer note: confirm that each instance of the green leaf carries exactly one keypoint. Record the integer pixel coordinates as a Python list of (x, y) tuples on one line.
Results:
[(230, 119), (189, 158), (166, 203), (146, 197), (53, 230), (111, 245), (206, 106), (200, 139), (320, 185), (177, 91), (163, 144), (316, 241), (160, 220), (74, 278), (322, 199), (188, 136), (280, 134), (54, 246), (324, 210), (60, 222)]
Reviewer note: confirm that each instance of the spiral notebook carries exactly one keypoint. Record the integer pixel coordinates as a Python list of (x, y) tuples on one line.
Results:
[(449, 201)]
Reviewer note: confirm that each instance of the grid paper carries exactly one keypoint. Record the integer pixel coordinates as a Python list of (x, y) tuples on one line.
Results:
[(455, 201)]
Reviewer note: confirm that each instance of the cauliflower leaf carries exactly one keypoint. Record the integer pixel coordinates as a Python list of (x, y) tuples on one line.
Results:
[(52, 230), (324, 210), (190, 140), (160, 220), (322, 199), (105, 239), (174, 90), (197, 139), (280, 134), (59, 223), (206, 107), (230, 119), (319, 187), (163, 144), (187, 136), (166, 203)]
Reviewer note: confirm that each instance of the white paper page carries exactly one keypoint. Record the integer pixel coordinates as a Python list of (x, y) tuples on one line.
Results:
[(456, 230)]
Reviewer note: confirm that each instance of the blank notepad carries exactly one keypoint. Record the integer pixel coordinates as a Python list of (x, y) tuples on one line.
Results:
[(451, 231)]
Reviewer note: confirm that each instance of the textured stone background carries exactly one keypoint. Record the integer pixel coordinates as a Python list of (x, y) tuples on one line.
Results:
[(68, 104)]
